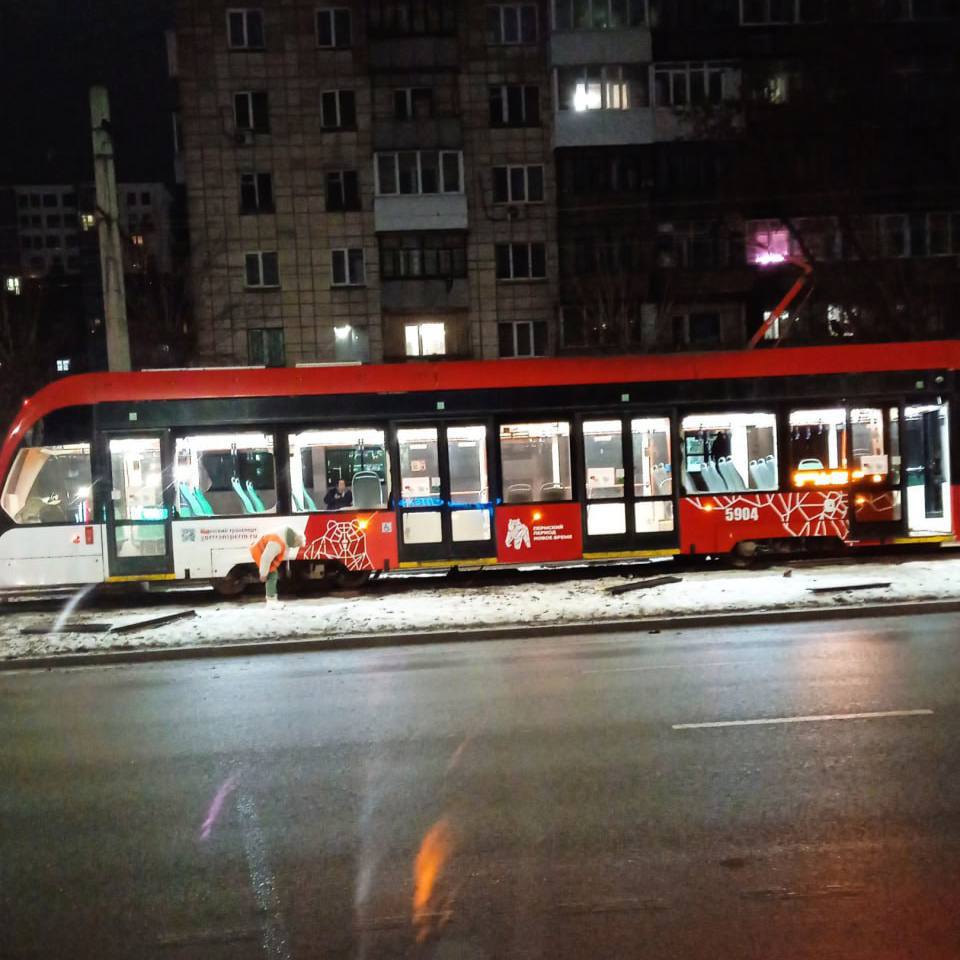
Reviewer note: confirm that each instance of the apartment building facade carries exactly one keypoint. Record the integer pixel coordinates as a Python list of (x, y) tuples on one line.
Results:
[(398, 179)]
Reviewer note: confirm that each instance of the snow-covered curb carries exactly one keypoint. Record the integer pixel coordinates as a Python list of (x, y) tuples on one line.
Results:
[(431, 608)]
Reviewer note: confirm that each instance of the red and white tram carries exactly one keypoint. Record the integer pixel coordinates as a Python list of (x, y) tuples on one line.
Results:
[(168, 475)]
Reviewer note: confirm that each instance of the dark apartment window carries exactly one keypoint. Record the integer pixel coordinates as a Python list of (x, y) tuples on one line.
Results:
[(25, 221), (50, 200), (782, 11), (265, 348), (518, 184), (688, 84), (419, 171), (245, 29), (412, 17), (698, 330), (334, 28), (343, 191), (599, 14), (338, 110), (53, 241), (262, 269), (522, 338), (347, 267), (413, 103), (23, 201), (511, 23), (54, 220), (69, 199), (131, 199), (423, 255), (35, 200), (145, 199), (256, 193), (515, 105), (36, 220), (521, 261), (251, 111)]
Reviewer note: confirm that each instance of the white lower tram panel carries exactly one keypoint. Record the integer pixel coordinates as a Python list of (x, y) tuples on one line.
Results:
[(203, 549)]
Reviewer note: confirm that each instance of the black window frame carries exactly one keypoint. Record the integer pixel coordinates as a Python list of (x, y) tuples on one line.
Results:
[(267, 261), (344, 100), (339, 28), (252, 106), (508, 332), (246, 15), (348, 261), (262, 356), (347, 182), (514, 254), (256, 192), (525, 98)]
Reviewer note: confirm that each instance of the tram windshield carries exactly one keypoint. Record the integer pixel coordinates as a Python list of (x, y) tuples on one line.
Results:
[(50, 484)]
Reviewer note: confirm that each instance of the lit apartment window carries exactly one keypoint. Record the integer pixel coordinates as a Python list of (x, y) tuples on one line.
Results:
[(256, 193), (262, 270), (251, 111), (87, 221), (518, 184), (13, 286), (136, 239), (782, 11), (63, 366), (338, 110), (419, 171), (333, 27), (425, 339), (245, 29), (412, 103), (515, 105), (613, 87), (511, 23), (522, 338), (347, 267), (521, 261), (599, 14), (681, 85), (343, 191), (265, 347)]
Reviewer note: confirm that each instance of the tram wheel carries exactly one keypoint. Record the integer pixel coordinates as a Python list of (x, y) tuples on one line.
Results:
[(344, 579)]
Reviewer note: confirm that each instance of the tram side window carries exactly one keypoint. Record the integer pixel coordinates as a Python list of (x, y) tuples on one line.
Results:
[(729, 452), (338, 469), (50, 484), (536, 461), (221, 475), (818, 447)]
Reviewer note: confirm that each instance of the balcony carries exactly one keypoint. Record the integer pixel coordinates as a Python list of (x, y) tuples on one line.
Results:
[(434, 133), (570, 47), (603, 128), (424, 296), (409, 212), (414, 53)]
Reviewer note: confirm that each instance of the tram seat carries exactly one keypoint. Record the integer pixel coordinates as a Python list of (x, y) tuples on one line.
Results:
[(309, 502), (297, 502), (712, 478), (367, 491), (730, 474), (255, 498), (763, 476), (244, 499), (692, 482), (518, 493), (205, 507), (551, 491), (189, 507)]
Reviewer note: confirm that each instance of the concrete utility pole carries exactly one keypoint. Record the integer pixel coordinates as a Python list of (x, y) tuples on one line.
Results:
[(108, 220)]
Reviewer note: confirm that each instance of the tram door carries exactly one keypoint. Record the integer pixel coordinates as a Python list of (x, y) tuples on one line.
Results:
[(874, 461), (626, 484), (445, 511), (926, 465), (138, 505)]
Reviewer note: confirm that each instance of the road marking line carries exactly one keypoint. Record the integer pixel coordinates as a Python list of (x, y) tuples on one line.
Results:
[(811, 719), (670, 666), (262, 882)]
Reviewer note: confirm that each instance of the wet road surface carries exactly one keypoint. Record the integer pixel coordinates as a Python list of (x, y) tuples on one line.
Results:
[(559, 798)]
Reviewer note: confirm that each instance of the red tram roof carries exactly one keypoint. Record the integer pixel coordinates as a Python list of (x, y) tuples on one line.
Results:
[(449, 376)]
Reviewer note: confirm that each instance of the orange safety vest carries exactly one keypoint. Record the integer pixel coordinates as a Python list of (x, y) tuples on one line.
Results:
[(257, 550)]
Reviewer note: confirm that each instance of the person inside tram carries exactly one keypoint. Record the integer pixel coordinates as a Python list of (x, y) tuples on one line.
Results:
[(338, 497)]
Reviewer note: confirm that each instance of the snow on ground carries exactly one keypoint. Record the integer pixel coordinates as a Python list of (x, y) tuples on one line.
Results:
[(433, 606)]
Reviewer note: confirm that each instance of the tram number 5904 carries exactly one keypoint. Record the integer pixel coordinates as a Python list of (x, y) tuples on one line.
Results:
[(733, 514)]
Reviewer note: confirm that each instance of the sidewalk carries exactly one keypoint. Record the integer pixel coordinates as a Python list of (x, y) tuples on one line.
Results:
[(435, 607)]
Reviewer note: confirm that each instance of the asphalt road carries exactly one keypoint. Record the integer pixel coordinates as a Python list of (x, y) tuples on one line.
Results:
[(530, 799)]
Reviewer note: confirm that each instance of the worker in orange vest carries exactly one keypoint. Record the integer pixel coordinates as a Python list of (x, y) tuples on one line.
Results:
[(270, 551)]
